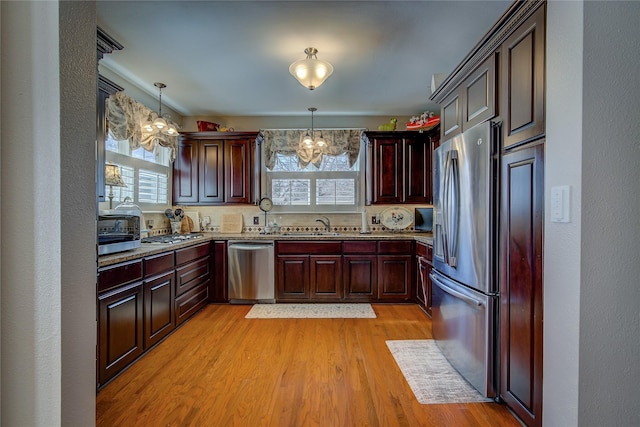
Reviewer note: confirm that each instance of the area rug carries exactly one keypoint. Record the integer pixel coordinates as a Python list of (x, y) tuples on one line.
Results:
[(431, 377), (310, 311)]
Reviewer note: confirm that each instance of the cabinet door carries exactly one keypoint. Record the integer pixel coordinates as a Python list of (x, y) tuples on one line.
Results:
[(450, 116), (159, 317), (237, 166), (211, 174), (326, 277), (387, 161), (360, 277), (521, 293), (120, 326), (185, 173), (219, 273), (394, 277), (424, 284), (479, 92), (522, 81), (292, 279), (417, 170)]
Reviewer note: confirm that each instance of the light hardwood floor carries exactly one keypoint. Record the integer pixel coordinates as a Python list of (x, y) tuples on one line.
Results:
[(220, 369)]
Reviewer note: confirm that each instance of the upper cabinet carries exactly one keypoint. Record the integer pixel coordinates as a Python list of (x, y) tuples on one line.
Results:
[(508, 61), (522, 81), (214, 168), (398, 166)]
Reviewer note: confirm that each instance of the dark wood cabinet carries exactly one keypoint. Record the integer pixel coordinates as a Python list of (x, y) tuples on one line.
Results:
[(308, 270), (399, 167), (219, 291), (213, 168), (479, 94), (522, 81), (193, 280), (521, 281), (451, 115), (120, 318), (395, 270), (159, 315), (360, 277), (424, 264)]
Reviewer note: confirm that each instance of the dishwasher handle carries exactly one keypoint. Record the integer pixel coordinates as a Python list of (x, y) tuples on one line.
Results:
[(250, 246)]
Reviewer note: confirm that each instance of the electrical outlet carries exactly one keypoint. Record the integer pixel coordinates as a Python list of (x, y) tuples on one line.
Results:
[(256, 220), (374, 219)]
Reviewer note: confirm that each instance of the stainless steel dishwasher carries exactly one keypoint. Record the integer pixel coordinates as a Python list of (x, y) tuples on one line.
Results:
[(251, 272)]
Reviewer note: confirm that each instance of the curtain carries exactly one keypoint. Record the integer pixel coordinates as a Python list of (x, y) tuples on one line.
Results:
[(288, 142), (126, 117)]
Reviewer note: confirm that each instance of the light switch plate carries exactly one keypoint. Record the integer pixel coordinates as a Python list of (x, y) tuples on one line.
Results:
[(560, 203)]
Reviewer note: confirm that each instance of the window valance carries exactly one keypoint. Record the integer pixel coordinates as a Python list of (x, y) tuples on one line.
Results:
[(287, 142), (126, 117)]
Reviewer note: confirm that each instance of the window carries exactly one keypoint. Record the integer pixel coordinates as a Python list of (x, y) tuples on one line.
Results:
[(146, 174), (332, 187)]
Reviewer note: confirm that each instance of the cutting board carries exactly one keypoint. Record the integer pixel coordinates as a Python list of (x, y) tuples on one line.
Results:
[(231, 223), (195, 219)]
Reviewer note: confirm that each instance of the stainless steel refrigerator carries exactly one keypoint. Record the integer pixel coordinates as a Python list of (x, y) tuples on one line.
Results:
[(465, 289)]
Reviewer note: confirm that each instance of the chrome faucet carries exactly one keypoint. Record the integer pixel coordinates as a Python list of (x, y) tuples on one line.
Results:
[(325, 222)]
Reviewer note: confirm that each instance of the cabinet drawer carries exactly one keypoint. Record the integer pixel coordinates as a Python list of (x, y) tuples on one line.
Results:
[(359, 247), (395, 247), (424, 250), (190, 302), (191, 253), (119, 274), (308, 248), (158, 263), (192, 275)]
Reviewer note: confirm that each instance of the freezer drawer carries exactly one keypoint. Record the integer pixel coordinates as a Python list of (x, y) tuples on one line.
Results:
[(464, 328), (251, 272)]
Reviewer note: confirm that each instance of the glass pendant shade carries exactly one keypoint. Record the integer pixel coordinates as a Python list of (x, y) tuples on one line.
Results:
[(311, 72), (160, 123)]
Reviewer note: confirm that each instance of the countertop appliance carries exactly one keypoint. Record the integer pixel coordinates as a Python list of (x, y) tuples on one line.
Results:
[(465, 288), (251, 272), (118, 230)]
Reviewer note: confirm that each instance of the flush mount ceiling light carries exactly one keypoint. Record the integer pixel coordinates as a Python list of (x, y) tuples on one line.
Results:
[(309, 140), (311, 72), (160, 124)]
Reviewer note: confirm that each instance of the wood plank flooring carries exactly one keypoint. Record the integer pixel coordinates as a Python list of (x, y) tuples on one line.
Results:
[(220, 369)]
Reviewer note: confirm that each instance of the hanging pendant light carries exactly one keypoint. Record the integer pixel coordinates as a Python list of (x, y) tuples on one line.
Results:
[(160, 124), (308, 140), (311, 72)]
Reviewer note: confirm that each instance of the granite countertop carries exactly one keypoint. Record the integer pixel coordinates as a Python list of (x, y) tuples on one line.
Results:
[(147, 249)]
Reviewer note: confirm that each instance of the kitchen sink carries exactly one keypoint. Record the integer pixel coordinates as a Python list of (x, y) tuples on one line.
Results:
[(309, 234)]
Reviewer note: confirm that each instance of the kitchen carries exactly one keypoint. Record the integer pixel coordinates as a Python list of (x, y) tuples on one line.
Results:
[(565, 244)]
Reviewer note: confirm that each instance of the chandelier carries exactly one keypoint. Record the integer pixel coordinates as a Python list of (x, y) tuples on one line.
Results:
[(308, 139), (160, 124), (311, 72)]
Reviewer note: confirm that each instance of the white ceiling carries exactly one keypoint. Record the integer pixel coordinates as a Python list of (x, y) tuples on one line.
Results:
[(231, 58)]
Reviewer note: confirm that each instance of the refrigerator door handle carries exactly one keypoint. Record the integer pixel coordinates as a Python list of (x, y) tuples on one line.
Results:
[(446, 195), (454, 206), (463, 297)]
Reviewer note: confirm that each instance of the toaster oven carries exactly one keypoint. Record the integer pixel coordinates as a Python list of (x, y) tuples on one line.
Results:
[(118, 230)]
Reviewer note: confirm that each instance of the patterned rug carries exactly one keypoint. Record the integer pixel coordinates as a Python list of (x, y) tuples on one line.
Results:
[(310, 311), (430, 376)]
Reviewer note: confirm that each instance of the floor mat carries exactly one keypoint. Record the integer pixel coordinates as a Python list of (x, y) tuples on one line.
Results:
[(430, 376), (310, 311)]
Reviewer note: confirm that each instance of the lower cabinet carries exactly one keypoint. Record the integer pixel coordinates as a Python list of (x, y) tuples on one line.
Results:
[(424, 263), (120, 325), (308, 270), (355, 270), (142, 301)]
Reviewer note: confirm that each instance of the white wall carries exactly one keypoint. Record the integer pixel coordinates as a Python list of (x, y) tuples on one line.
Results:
[(563, 152), (48, 251), (610, 287), (592, 291)]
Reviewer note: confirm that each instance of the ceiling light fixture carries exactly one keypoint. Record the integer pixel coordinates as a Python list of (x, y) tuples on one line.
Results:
[(309, 140), (161, 124), (311, 72)]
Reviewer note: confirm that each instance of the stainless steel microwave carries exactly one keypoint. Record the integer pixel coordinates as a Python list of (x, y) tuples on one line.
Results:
[(118, 230)]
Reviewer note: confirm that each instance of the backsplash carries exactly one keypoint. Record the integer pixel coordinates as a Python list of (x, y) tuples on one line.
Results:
[(288, 222)]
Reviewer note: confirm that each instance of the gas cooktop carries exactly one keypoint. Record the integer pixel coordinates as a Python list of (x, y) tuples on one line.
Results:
[(171, 238)]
